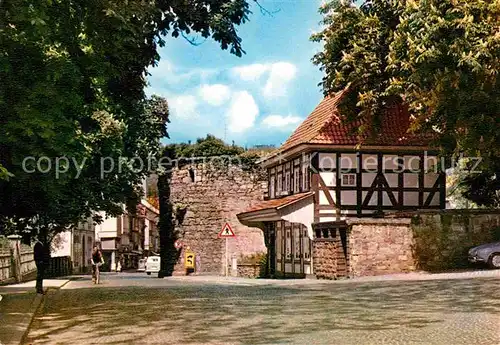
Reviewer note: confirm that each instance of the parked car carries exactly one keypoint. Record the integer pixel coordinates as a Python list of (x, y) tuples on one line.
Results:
[(141, 266), (487, 253), (153, 264)]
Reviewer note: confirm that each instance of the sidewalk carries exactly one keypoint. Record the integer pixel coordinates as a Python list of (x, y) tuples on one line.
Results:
[(18, 305), (30, 286), (412, 276)]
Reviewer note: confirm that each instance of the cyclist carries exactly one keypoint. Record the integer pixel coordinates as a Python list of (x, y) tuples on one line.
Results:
[(97, 260)]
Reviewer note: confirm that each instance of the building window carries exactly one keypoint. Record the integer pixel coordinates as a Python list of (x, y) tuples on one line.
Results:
[(279, 188), (287, 182), (305, 176), (296, 180), (296, 238), (306, 245), (272, 181), (348, 180), (288, 243)]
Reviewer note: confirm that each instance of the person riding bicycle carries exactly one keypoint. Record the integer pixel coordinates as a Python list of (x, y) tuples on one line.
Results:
[(97, 260)]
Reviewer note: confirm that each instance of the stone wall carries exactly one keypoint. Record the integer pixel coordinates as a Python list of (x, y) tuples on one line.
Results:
[(425, 240), (380, 246), (442, 239), (213, 195), (324, 259), (248, 270)]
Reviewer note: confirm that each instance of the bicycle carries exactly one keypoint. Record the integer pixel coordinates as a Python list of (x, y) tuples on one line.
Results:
[(97, 276)]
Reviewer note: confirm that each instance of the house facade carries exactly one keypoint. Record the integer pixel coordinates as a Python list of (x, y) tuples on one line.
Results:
[(128, 238), (77, 244), (329, 173)]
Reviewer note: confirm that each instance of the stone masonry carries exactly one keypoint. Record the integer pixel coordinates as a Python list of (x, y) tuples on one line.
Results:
[(325, 263), (380, 246), (213, 194)]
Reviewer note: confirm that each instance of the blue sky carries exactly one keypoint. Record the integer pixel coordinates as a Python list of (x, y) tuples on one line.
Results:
[(259, 98)]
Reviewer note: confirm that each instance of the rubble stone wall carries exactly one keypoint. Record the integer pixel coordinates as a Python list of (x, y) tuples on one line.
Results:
[(405, 242), (380, 246), (443, 239), (324, 259), (213, 195)]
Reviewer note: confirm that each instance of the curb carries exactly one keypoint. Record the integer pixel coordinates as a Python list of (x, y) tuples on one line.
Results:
[(63, 285), (35, 307), (37, 304)]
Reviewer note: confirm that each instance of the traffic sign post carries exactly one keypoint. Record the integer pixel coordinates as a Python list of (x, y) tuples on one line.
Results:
[(226, 233), (227, 258)]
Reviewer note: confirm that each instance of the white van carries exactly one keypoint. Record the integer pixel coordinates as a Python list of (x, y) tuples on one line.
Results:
[(153, 264), (142, 265)]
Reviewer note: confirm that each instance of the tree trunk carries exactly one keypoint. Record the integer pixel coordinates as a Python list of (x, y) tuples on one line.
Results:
[(168, 253)]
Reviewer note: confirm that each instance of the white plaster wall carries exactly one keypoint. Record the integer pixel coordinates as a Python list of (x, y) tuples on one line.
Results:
[(301, 212)]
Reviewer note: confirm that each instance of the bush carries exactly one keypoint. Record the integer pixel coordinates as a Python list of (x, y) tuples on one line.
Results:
[(4, 242)]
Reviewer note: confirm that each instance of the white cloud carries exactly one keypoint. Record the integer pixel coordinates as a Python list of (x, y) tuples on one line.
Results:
[(251, 72), (215, 94), (279, 121), (166, 73), (183, 106), (281, 74), (242, 112)]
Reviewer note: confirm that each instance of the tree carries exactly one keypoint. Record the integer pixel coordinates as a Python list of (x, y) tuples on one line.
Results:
[(73, 78), (441, 58), (206, 147), (47, 203), (169, 254)]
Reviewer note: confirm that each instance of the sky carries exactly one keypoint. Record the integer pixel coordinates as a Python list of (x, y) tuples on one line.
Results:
[(258, 99)]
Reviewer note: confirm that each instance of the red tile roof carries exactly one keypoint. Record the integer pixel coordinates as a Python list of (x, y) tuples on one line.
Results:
[(325, 126), (278, 203)]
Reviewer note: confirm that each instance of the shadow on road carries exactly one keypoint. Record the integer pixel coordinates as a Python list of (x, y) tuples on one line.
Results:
[(215, 314)]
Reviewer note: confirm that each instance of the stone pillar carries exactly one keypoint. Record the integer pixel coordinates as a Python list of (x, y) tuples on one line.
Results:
[(325, 258), (15, 252), (234, 266)]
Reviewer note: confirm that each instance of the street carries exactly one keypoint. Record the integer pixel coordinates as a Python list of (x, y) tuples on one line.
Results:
[(135, 308)]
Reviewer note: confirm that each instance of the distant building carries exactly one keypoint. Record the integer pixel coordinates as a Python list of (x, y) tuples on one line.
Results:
[(129, 238), (262, 147), (77, 244)]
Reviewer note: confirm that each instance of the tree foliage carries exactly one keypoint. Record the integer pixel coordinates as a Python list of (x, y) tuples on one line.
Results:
[(73, 76), (205, 147), (441, 58)]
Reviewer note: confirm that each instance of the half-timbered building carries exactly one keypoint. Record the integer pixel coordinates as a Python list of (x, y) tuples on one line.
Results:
[(328, 172)]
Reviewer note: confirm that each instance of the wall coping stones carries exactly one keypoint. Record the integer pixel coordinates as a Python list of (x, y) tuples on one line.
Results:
[(455, 211), (379, 221)]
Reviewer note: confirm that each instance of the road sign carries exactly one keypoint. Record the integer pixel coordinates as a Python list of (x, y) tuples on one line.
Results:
[(189, 260), (226, 232)]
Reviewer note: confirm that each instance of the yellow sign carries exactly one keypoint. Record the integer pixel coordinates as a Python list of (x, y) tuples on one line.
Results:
[(189, 259)]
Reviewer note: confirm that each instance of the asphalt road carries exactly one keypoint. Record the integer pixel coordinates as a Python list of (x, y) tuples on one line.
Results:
[(137, 309)]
